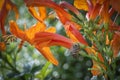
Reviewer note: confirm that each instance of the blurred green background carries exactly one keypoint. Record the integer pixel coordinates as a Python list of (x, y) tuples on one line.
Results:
[(29, 64)]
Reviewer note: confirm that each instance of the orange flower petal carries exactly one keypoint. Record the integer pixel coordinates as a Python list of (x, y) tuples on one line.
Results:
[(35, 14), (47, 3), (42, 12), (105, 11), (45, 51), (65, 4), (52, 39), (95, 11), (72, 37), (2, 46), (38, 27), (77, 26), (14, 29), (82, 4), (51, 29), (72, 30), (65, 20), (62, 18)]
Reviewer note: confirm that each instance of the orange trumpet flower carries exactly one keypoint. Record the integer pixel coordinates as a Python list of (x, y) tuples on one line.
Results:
[(70, 27), (64, 17), (95, 8), (41, 38), (28, 35), (47, 3)]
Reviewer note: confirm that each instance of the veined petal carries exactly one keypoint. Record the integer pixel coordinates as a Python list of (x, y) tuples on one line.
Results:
[(52, 39), (14, 29), (45, 51)]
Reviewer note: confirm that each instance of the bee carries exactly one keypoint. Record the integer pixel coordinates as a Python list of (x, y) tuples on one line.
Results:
[(75, 50), (8, 38)]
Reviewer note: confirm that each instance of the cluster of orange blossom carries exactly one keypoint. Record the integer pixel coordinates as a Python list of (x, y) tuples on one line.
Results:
[(104, 9), (42, 37)]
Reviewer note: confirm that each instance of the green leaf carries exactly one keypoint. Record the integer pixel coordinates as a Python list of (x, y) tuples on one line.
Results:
[(44, 72)]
